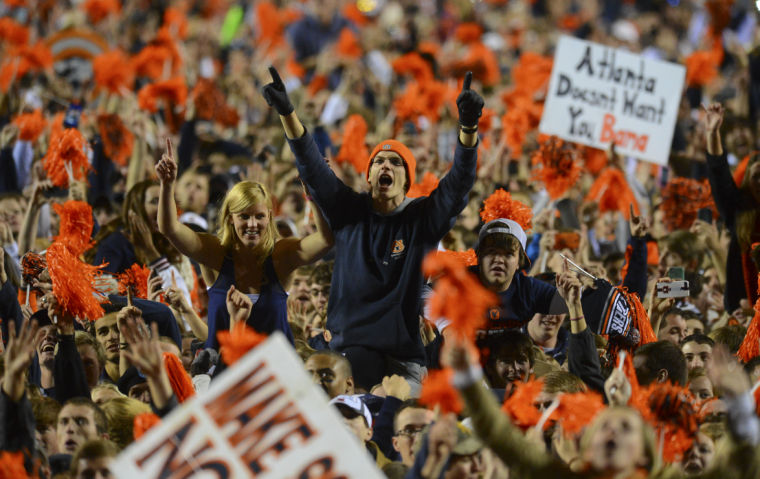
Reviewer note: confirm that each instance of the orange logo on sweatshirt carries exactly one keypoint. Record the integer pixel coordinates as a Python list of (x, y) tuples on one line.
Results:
[(398, 247)]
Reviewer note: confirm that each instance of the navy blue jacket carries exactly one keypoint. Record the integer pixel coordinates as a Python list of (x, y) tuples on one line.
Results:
[(375, 296)]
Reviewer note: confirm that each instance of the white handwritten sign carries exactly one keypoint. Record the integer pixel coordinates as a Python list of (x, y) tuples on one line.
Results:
[(262, 418), (599, 94)]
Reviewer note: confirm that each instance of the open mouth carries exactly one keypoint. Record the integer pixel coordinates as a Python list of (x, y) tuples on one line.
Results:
[(70, 445), (385, 180), (48, 347), (113, 347), (304, 298), (251, 234)]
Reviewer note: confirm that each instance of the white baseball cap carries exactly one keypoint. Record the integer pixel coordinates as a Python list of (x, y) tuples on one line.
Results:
[(504, 226), (354, 403)]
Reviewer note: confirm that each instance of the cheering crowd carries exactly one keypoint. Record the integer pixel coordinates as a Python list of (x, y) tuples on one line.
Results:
[(368, 179)]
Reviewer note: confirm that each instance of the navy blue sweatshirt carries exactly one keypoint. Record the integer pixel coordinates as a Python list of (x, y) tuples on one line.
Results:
[(377, 280)]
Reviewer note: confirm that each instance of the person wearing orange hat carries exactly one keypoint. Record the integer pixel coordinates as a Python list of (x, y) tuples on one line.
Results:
[(381, 238)]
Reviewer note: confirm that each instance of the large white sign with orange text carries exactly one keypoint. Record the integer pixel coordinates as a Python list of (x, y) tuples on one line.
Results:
[(599, 94), (262, 418)]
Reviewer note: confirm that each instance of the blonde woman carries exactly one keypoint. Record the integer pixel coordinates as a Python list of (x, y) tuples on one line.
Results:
[(246, 254)]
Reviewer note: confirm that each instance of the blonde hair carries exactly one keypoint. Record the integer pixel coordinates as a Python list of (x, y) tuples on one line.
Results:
[(745, 219), (121, 414), (648, 439), (241, 197)]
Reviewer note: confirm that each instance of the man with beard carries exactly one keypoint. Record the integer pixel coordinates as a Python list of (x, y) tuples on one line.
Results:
[(381, 238)]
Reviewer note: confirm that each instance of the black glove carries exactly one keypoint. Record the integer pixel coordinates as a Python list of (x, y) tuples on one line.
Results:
[(470, 104), (275, 94)]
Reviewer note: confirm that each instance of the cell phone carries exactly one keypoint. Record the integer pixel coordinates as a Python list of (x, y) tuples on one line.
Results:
[(676, 273), (705, 214), (672, 289)]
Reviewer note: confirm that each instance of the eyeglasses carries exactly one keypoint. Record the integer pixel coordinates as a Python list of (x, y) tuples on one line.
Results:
[(411, 430)]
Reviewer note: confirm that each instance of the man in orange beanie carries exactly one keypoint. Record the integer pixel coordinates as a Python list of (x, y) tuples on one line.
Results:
[(381, 238)]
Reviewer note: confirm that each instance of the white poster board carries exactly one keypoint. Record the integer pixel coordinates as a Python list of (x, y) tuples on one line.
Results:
[(262, 418), (599, 94)]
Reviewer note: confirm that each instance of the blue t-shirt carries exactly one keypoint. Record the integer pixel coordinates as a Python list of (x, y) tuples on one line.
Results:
[(525, 297)]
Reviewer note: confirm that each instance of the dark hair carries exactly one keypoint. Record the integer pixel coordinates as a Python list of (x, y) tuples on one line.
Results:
[(93, 449), (685, 244), (322, 273), (661, 355), (750, 365), (340, 359), (509, 343), (408, 404), (101, 422), (504, 241), (699, 339), (45, 410), (731, 336)]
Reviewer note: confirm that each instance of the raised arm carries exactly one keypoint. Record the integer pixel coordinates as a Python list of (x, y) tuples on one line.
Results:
[(290, 253), (450, 198), (203, 248), (333, 197), (277, 97)]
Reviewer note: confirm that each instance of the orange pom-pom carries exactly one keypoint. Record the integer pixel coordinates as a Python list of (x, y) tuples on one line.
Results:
[(640, 318), (594, 159), (413, 64), (612, 192), (458, 295), (32, 265), (237, 342), (143, 422), (30, 125), (23, 59), (555, 165), (353, 149), (750, 347), (348, 45), (98, 10), (520, 406), (425, 187), (153, 60), (577, 410), (13, 32), (134, 280), (73, 283), (66, 148), (438, 391), (467, 258), (702, 67), (76, 224), (180, 381), (176, 21), (532, 72), (12, 465), (118, 141), (173, 91), (501, 205), (567, 240), (671, 410), (113, 71), (682, 198), (210, 104), (468, 32)]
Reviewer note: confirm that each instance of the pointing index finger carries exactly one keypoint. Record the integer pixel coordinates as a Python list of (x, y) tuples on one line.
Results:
[(169, 147), (275, 76), (467, 81)]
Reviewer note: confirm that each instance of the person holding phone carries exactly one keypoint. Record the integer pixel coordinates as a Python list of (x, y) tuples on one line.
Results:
[(246, 253), (381, 238)]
